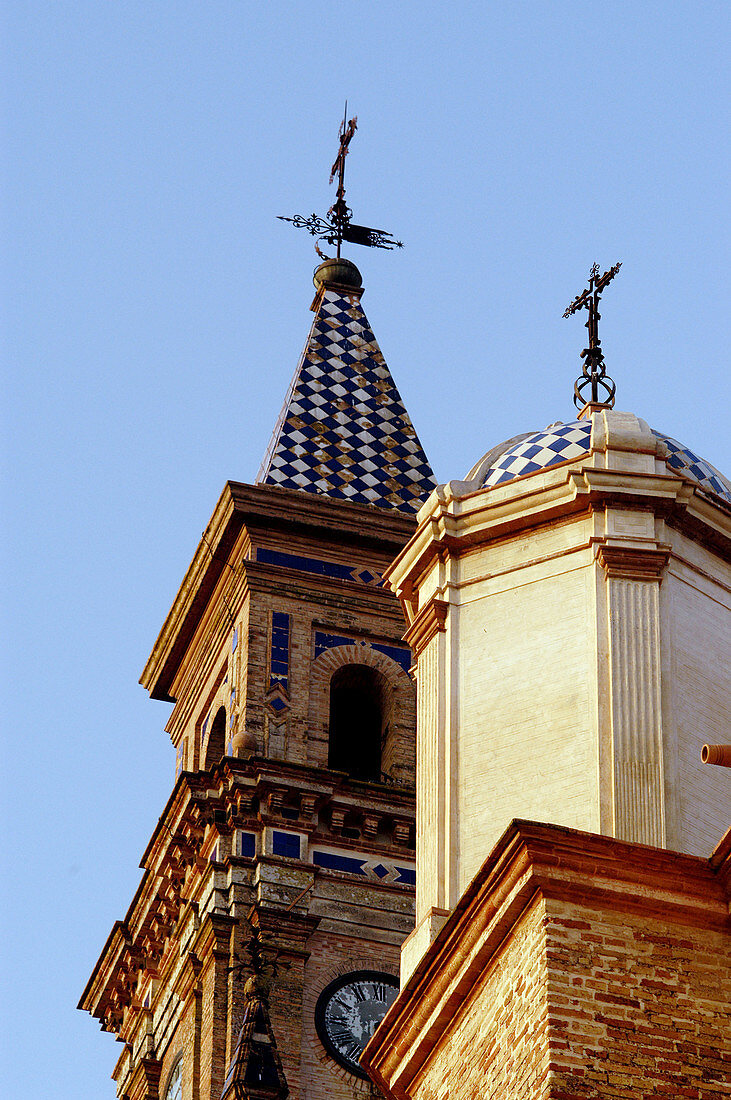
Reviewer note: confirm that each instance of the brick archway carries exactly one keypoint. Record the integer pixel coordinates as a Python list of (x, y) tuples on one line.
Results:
[(399, 748)]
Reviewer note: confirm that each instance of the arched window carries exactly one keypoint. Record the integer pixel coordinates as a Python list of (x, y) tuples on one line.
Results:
[(359, 697), (174, 1090), (217, 739)]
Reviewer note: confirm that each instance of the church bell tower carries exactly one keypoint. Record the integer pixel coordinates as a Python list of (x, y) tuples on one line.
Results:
[(262, 947)]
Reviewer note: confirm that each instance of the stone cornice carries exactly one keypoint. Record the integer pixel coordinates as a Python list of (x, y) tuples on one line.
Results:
[(270, 508), (200, 579), (454, 523), (262, 577), (428, 623), (290, 930), (202, 807), (721, 863), (533, 860), (252, 577)]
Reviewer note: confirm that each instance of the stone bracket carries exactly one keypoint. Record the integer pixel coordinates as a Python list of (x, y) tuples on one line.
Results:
[(428, 623), (639, 563)]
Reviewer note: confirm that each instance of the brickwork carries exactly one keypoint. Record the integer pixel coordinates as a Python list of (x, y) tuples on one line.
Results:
[(286, 1017), (499, 1043), (577, 1006), (574, 966), (182, 946), (334, 955), (397, 760), (294, 726), (636, 1009)]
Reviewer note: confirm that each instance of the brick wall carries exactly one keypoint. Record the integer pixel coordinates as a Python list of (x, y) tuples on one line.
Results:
[(498, 1042), (285, 718), (636, 1008), (574, 966), (332, 956)]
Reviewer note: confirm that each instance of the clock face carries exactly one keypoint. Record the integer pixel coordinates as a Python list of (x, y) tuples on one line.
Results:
[(349, 1010)]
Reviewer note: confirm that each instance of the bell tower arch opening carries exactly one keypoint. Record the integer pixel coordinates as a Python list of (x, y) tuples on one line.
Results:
[(360, 698), (216, 746)]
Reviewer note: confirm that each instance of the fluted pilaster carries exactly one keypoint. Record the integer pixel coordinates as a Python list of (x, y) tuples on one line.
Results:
[(633, 582)]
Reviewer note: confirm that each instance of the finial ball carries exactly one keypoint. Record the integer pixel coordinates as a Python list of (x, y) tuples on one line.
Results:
[(339, 271)]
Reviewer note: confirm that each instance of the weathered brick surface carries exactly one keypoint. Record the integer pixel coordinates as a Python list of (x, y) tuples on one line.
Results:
[(498, 1044), (575, 966), (332, 956), (636, 1009), (170, 981)]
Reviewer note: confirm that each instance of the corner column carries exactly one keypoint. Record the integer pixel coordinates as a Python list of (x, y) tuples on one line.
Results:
[(429, 640)]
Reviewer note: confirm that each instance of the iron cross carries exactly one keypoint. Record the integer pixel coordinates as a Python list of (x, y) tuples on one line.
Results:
[(337, 226), (339, 211), (347, 129), (593, 373)]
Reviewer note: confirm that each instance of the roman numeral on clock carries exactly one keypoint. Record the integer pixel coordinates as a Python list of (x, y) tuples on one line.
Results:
[(340, 1035)]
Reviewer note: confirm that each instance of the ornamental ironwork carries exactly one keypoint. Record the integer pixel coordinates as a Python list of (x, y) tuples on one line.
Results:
[(337, 225), (593, 378)]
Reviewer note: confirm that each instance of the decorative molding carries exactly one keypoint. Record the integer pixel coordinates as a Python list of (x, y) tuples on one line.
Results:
[(646, 563), (428, 623)]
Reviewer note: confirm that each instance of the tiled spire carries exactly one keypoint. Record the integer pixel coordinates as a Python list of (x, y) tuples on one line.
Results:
[(343, 430)]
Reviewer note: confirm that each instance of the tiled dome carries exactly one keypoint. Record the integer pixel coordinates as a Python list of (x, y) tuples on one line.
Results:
[(689, 465), (563, 442)]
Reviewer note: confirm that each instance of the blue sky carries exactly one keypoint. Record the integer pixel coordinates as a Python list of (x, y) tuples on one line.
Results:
[(155, 311)]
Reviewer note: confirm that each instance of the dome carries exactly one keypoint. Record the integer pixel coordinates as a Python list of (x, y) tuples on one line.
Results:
[(559, 443)]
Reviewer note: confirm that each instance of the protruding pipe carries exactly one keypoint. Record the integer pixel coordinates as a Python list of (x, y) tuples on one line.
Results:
[(717, 754)]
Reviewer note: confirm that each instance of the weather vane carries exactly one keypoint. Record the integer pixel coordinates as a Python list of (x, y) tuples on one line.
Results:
[(337, 226), (593, 373)]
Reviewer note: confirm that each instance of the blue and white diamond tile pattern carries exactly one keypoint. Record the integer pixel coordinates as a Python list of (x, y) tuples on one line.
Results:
[(559, 443), (343, 430), (350, 863), (564, 442), (688, 464)]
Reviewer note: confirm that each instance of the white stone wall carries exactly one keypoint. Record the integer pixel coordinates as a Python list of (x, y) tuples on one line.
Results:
[(527, 730), (583, 657), (697, 692)]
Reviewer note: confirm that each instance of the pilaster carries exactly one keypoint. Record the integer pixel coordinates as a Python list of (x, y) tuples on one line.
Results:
[(188, 988), (633, 573)]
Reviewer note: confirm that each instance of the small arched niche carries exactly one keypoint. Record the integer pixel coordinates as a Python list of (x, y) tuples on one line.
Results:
[(216, 746), (360, 698)]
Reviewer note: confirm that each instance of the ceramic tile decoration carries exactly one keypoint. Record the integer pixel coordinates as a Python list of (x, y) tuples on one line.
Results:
[(319, 567), (563, 442), (279, 653), (687, 463), (559, 443), (343, 430), (399, 654)]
